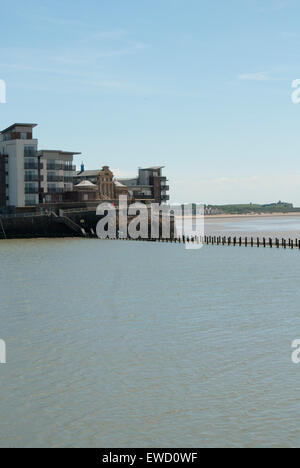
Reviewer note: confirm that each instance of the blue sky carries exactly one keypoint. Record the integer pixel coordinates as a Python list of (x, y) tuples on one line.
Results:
[(203, 87)]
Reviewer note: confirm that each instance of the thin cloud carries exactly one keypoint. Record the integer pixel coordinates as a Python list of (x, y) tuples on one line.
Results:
[(254, 77), (113, 35), (60, 21)]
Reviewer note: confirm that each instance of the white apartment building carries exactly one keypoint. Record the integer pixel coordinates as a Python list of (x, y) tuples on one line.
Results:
[(29, 177), (56, 174), (19, 166)]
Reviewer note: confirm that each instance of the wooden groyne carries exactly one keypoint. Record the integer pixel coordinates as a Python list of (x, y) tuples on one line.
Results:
[(228, 241)]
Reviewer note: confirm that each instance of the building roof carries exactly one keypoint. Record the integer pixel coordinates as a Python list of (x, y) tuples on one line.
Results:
[(59, 152), (30, 125), (154, 168), (88, 173), (86, 184), (118, 184)]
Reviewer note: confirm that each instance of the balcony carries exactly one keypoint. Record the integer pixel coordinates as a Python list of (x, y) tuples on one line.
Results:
[(30, 152), (69, 168), (165, 188), (141, 196), (55, 167), (51, 178), (55, 190), (33, 178), (31, 190), (31, 165)]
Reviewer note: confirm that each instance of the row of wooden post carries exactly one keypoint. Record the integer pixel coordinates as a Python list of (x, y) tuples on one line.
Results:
[(230, 241)]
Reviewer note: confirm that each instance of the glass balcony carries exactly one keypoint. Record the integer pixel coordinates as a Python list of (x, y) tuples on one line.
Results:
[(55, 190), (54, 167), (31, 190), (69, 168), (33, 178), (53, 178), (30, 152), (31, 165)]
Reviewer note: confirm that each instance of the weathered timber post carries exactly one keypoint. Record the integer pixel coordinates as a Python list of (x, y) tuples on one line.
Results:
[(258, 242), (264, 242), (252, 242), (234, 241), (246, 241), (270, 243)]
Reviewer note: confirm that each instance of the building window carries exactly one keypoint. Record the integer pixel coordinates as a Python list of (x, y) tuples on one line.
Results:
[(23, 136), (29, 151), (31, 200)]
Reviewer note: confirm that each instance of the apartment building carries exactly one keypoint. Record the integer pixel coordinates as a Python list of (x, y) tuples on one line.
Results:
[(19, 166), (149, 185), (29, 177), (57, 173)]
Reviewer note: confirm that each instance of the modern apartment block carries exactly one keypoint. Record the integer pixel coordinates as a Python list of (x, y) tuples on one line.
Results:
[(29, 177), (19, 166), (57, 173), (149, 185)]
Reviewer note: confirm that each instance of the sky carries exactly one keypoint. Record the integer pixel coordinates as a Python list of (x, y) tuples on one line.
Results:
[(202, 87)]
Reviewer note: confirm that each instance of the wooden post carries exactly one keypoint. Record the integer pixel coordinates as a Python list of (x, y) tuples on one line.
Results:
[(240, 241), (270, 243), (252, 242), (264, 242), (246, 241), (258, 242)]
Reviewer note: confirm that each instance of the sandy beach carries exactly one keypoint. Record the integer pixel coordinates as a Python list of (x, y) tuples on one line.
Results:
[(252, 215)]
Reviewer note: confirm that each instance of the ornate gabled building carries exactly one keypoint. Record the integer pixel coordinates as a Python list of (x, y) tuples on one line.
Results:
[(103, 179)]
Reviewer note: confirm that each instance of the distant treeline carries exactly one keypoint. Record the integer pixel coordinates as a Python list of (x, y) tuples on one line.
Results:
[(279, 207)]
